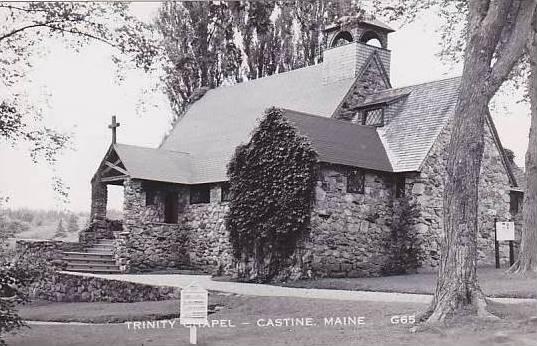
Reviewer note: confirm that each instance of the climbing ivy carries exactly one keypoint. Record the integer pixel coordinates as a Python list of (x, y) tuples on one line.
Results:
[(406, 254), (272, 184)]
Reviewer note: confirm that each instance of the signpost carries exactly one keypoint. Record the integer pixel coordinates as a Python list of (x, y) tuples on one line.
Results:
[(193, 309), (504, 231)]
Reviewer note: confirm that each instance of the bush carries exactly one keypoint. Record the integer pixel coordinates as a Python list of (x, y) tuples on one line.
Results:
[(272, 181), (17, 274), (10, 295)]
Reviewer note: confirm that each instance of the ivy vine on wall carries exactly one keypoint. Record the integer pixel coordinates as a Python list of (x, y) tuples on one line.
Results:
[(272, 180), (406, 254)]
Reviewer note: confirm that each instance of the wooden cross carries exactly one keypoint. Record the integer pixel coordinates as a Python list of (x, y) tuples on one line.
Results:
[(114, 125)]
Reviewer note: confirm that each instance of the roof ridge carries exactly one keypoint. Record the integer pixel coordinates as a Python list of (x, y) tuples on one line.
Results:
[(141, 147), (221, 87)]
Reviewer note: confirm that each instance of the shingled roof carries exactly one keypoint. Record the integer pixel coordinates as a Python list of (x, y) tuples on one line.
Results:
[(225, 117), (203, 141), (155, 164), (339, 142), (417, 120)]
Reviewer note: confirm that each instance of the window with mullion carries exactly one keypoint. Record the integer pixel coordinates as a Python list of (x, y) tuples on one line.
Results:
[(373, 117)]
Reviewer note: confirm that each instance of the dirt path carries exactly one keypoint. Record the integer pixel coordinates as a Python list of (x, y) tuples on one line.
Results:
[(179, 280)]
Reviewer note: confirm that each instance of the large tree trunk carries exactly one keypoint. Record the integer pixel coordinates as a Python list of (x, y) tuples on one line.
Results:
[(457, 289), (527, 259), (457, 285)]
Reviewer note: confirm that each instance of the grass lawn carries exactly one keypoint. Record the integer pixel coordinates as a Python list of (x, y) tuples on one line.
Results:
[(245, 312), (111, 312), (495, 283)]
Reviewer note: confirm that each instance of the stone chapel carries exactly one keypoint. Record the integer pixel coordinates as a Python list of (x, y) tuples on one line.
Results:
[(378, 145)]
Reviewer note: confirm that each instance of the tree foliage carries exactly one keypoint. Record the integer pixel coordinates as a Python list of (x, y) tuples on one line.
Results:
[(208, 44), (17, 273), (272, 184), (26, 30), (453, 29)]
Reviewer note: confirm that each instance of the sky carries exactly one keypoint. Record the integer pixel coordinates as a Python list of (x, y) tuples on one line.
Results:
[(83, 94)]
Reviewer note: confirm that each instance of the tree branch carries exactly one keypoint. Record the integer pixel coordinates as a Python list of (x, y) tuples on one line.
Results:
[(11, 7), (16, 31), (477, 10), (81, 33), (514, 48), (497, 13), (53, 27)]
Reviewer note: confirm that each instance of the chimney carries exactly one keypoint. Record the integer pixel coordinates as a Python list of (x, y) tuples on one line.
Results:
[(349, 46)]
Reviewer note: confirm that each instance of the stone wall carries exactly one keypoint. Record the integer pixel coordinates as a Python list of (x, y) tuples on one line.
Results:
[(135, 208), (350, 232), (152, 246), (63, 287), (49, 250), (209, 246), (197, 241), (426, 188), (100, 229)]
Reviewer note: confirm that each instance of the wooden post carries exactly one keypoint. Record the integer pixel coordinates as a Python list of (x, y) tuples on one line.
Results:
[(193, 335), (496, 245), (511, 253)]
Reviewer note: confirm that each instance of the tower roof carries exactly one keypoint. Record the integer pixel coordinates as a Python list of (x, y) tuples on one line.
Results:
[(372, 22)]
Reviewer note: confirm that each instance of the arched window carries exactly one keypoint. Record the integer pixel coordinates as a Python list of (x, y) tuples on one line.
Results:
[(342, 38), (371, 38)]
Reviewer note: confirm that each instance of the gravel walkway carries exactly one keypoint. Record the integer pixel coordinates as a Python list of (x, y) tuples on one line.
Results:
[(179, 280)]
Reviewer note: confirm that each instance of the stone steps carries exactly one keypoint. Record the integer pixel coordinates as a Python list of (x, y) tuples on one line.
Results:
[(84, 260), (92, 268), (96, 249), (98, 258), (87, 255)]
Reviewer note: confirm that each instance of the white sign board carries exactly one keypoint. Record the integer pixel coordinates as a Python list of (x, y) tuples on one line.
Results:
[(194, 302), (505, 231)]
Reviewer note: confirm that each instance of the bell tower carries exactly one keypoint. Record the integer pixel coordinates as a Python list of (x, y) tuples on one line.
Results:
[(372, 32), (350, 44)]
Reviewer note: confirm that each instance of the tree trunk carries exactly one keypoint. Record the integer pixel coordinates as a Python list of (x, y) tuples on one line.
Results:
[(457, 286), (489, 23), (527, 259)]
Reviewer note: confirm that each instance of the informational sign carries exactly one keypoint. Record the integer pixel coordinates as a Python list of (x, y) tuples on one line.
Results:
[(194, 302), (505, 231)]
